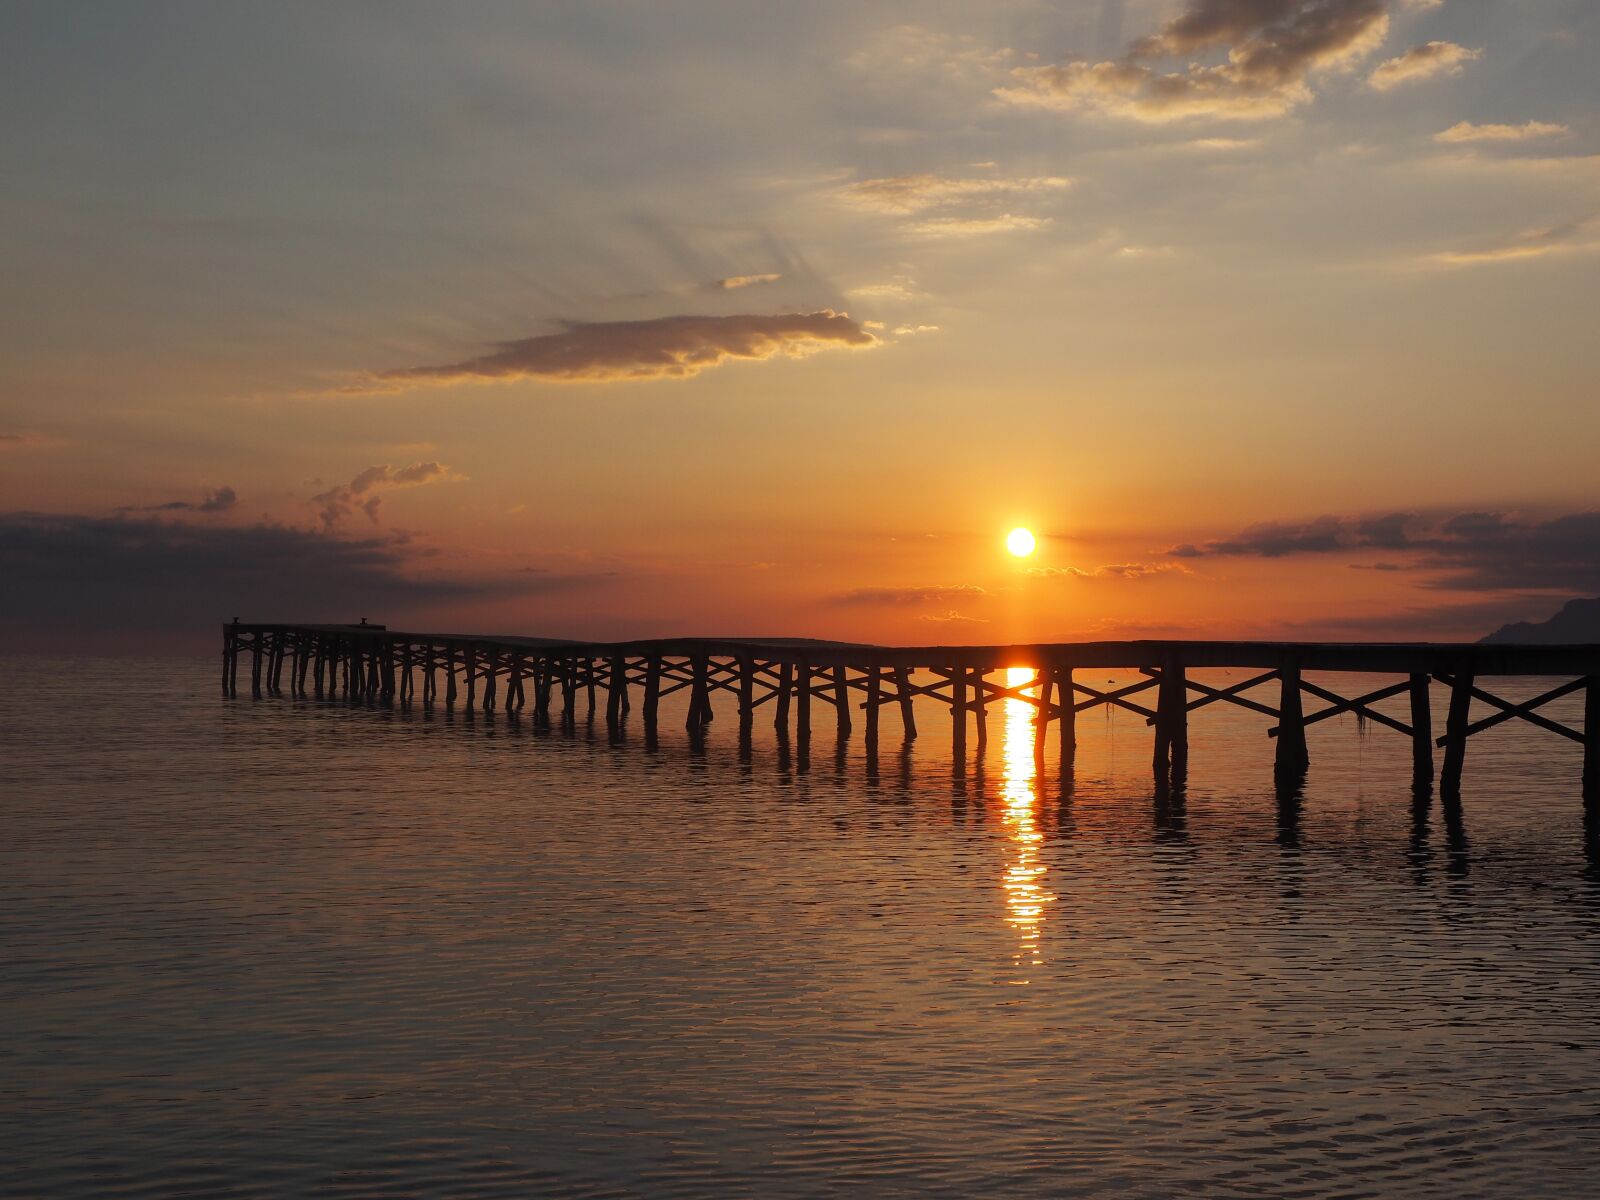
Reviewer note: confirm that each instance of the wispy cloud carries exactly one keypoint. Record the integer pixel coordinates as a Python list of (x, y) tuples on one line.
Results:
[(734, 282), (660, 348), (899, 288), (1131, 570), (1572, 237), (963, 227), (364, 493), (1431, 60), (918, 193), (1271, 48), (1466, 131), (951, 617)]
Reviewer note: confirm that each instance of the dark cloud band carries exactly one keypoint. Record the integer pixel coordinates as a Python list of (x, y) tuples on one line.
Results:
[(663, 348)]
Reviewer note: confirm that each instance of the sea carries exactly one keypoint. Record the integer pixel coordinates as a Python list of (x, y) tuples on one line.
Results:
[(299, 947)]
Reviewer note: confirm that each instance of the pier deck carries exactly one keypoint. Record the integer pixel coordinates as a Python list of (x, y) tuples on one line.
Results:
[(792, 675)]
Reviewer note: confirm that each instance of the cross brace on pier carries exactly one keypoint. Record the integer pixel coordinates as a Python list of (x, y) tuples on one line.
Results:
[(371, 662)]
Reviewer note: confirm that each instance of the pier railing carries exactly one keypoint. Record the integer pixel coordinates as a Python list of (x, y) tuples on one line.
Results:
[(793, 676)]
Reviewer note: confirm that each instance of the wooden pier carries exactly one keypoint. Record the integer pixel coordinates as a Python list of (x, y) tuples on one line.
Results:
[(794, 676)]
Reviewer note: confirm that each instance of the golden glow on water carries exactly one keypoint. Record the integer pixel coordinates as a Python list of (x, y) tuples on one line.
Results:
[(1027, 898)]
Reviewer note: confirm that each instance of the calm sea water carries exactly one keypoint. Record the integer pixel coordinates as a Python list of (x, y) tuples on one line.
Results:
[(293, 948)]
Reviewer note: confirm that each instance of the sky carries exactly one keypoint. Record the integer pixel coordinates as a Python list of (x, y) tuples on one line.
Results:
[(1271, 318)]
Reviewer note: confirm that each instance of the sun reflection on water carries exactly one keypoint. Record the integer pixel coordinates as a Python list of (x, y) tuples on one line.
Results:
[(1026, 895)]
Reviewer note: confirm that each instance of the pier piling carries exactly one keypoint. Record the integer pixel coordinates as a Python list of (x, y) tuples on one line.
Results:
[(365, 663)]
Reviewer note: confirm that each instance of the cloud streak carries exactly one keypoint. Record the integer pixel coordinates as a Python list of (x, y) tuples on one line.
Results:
[(1468, 551), (1466, 132), (734, 282), (660, 348), (907, 194), (1131, 570), (1269, 50), (1431, 60), (1572, 237), (964, 227)]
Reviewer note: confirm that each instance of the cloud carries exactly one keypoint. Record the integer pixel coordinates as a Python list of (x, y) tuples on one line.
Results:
[(1431, 60), (954, 208), (893, 596), (107, 577), (365, 491), (1219, 144), (1110, 571), (661, 348), (1490, 551), (903, 194), (899, 288), (1273, 539), (1572, 237), (220, 501), (1466, 131), (952, 617), (1270, 47), (1467, 551), (733, 282), (1324, 535), (959, 227)]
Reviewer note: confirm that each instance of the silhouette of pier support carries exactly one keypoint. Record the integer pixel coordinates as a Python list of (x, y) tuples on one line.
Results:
[(370, 664)]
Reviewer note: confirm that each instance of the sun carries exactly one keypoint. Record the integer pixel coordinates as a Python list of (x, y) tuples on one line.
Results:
[(1021, 542)]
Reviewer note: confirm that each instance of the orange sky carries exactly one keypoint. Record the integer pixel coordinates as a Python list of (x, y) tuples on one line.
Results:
[(1272, 319)]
